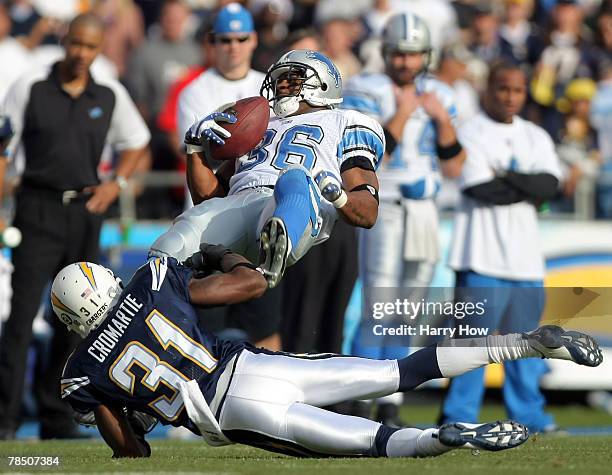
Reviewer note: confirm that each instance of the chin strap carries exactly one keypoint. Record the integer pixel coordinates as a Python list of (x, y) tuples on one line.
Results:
[(286, 106)]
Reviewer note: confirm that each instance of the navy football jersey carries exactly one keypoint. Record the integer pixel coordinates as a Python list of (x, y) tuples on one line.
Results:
[(150, 341)]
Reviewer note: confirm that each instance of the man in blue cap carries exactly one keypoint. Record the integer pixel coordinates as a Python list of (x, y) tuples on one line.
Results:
[(232, 78)]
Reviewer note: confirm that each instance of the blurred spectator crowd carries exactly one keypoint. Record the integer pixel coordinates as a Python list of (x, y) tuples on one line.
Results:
[(154, 47)]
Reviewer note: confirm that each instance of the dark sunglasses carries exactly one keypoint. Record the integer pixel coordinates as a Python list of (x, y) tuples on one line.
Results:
[(224, 40)]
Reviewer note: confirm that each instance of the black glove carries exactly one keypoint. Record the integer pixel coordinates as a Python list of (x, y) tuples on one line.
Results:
[(208, 258), (212, 254), (140, 422)]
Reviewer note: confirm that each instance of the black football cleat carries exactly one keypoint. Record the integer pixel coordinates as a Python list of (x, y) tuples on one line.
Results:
[(493, 436), (554, 342)]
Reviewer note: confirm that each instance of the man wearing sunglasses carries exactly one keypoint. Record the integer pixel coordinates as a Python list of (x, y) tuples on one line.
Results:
[(231, 78)]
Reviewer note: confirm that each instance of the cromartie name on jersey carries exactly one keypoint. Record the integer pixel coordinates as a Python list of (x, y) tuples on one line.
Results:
[(115, 328)]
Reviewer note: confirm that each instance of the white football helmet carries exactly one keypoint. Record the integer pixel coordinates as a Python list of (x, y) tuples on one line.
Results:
[(82, 294), (407, 33), (321, 86)]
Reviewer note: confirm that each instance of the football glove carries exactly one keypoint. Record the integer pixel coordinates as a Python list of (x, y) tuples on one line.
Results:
[(331, 188), (208, 258), (141, 424), (207, 129)]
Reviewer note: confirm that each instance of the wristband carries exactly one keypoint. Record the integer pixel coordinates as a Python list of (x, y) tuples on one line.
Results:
[(446, 152), (373, 191), (191, 148), (122, 182), (390, 142), (341, 200), (248, 265)]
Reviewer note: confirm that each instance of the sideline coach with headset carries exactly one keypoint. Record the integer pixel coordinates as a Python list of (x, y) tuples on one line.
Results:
[(62, 118)]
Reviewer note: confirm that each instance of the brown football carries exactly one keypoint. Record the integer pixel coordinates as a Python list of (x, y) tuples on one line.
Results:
[(253, 115)]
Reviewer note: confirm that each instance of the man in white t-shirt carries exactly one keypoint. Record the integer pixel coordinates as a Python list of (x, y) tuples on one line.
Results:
[(511, 167), (232, 78)]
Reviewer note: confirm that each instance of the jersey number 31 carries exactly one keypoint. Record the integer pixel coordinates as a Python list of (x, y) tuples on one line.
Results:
[(157, 371)]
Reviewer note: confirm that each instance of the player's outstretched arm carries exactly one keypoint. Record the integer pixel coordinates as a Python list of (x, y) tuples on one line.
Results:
[(118, 434), (240, 279)]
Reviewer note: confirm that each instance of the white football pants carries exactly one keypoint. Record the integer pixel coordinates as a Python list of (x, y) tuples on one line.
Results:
[(234, 221), (273, 401)]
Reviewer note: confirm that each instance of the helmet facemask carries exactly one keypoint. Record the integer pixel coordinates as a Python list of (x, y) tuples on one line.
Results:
[(302, 80)]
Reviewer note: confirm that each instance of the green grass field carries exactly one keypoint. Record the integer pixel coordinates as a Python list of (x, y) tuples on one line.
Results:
[(541, 455)]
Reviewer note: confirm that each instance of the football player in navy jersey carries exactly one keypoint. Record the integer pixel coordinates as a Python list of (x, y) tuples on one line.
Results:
[(144, 350)]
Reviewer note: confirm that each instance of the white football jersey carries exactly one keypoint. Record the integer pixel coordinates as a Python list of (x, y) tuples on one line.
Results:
[(500, 240), (412, 170), (319, 140)]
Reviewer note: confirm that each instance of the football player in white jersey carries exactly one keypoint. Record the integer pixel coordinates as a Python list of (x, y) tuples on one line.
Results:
[(267, 203), (234, 40), (418, 114)]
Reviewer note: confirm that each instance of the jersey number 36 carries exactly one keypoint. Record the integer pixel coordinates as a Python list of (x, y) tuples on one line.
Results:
[(296, 146)]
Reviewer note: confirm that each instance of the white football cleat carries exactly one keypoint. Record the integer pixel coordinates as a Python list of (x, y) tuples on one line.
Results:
[(554, 342), (273, 250), (499, 435)]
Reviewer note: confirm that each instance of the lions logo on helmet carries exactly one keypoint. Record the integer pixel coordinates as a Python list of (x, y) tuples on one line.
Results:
[(320, 81), (82, 294)]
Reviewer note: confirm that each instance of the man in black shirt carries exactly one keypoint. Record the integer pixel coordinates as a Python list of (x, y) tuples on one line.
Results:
[(62, 119)]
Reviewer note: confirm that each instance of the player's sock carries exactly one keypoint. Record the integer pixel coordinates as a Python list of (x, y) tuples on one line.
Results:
[(420, 366), (293, 203), (456, 356), (391, 442)]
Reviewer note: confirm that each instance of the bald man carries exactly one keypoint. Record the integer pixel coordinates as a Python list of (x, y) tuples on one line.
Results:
[(62, 117)]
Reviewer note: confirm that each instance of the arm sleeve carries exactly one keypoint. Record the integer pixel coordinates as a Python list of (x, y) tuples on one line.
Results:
[(451, 108), (362, 141), (128, 130), (496, 192), (537, 186)]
